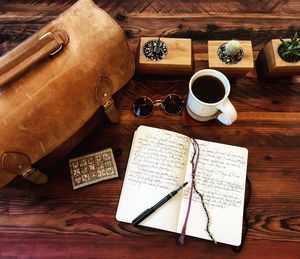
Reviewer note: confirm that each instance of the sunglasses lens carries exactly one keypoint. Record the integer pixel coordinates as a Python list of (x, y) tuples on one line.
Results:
[(172, 104), (142, 107)]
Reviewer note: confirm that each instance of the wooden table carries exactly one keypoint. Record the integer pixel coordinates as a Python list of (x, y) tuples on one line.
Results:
[(54, 220)]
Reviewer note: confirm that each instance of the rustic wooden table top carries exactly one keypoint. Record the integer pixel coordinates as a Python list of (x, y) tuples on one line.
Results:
[(54, 220)]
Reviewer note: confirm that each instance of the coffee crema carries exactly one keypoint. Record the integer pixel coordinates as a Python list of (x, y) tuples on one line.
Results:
[(208, 89)]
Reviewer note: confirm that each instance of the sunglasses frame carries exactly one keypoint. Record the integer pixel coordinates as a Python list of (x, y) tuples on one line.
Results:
[(159, 103)]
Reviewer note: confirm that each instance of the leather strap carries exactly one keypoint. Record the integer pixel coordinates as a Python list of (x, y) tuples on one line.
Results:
[(47, 45), (19, 164), (104, 92), (111, 111), (35, 176)]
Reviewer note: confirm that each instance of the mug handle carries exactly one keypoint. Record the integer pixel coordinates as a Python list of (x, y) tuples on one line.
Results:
[(228, 113)]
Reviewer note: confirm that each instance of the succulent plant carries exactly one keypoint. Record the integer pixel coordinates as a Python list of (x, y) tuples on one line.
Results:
[(232, 48), (291, 47)]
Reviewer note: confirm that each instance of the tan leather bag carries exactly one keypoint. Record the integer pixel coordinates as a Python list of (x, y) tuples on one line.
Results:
[(52, 84)]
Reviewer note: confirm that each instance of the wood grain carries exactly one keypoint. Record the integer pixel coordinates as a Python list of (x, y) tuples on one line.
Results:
[(55, 221)]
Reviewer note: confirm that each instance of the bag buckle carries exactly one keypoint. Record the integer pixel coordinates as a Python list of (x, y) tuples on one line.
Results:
[(20, 164), (111, 110), (34, 175), (50, 34)]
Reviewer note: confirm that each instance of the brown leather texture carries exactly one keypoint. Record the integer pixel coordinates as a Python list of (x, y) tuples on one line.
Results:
[(46, 100)]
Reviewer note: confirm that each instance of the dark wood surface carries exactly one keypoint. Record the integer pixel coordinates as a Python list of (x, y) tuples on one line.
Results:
[(54, 220)]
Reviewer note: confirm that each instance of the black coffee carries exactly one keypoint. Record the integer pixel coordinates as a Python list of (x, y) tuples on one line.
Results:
[(208, 89)]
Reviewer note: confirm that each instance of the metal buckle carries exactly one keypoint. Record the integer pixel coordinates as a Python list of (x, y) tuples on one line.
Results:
[(45, 35), (56, 51), (108, 103)]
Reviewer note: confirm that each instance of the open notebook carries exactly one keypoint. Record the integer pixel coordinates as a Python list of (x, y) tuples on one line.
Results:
[(159, 162)]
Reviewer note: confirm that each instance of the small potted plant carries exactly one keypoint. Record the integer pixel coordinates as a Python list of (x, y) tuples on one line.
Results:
[(233, 58), (279, 57)]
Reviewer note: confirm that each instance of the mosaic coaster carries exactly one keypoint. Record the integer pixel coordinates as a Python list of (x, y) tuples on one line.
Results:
[(93, 168)]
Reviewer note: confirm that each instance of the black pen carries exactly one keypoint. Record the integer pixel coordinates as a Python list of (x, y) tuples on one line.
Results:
[(149, 211)]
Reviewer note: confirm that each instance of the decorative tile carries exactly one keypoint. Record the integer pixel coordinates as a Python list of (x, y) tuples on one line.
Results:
[(93, 168)]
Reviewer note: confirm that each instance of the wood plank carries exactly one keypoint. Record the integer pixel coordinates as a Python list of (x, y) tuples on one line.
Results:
[(167, 6)]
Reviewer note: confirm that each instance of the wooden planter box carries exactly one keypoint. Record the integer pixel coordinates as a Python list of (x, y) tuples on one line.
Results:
[(177, 62), (231, 70), (270, 64)]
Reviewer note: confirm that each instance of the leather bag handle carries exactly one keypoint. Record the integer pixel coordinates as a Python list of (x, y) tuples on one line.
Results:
[(47, 45)]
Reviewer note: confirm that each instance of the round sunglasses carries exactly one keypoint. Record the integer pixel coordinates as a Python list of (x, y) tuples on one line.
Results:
[(172, 104)]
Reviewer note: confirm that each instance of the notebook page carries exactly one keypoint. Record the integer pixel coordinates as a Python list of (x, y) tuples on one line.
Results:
[(221, 178), (156, 166)]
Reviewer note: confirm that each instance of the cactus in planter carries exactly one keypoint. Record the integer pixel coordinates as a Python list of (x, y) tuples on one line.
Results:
[(232, 48), (290, 50), (232, 66), (230, 52)]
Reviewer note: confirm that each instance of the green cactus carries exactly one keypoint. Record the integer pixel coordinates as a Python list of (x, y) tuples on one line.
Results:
[(291, 47), (232, 48)]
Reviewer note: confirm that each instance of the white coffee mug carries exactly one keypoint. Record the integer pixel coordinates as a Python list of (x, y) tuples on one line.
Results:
[(222, 110)]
